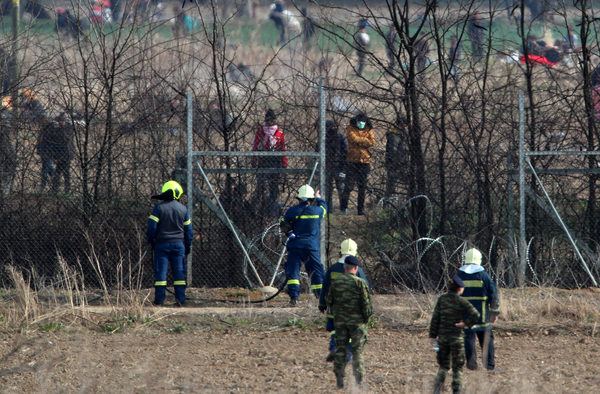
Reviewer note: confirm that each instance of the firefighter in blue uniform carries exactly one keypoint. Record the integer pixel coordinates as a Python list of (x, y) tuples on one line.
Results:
[(347, 248), (302, 223), (170, 232), (481, 292)]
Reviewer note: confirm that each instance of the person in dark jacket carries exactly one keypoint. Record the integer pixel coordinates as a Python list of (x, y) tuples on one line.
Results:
[(302, 225), (8, 160), (395, 156), (450, 316), (391, 47), (68, 26), (336, 154), (481, 291), (421, 51), (308, 29), (170, 233), (347, 248), (63, 152)]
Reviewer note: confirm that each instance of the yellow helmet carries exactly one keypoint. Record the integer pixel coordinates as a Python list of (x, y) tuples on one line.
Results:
[(473, 256), (305, 192), (349, 247), (174, 187)]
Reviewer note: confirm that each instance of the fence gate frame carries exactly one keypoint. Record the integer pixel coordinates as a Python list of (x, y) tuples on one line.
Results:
[(549, 207), (192, 188)]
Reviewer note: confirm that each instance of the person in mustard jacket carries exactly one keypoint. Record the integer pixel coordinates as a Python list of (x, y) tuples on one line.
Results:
[(360, 141)]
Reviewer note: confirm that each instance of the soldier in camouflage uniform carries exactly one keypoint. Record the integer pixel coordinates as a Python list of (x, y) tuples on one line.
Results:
[(348, 297), (447, 326)]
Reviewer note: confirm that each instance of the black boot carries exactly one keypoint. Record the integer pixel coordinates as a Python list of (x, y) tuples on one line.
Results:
[(330, 356), (293, 302), (340, 383)]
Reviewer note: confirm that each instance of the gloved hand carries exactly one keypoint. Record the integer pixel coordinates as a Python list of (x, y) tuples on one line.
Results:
[(187, 250)]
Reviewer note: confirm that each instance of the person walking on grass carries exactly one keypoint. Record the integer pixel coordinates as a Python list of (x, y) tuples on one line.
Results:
[(482, 293), (170, 233), (347, 248), (446, 333), (349, 299)]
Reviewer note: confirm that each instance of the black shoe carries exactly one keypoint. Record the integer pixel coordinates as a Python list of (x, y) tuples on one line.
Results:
[(157, 303), (340, 383), (178, 304), (330, 356), (456, 391), (293, 302), (361, 213)]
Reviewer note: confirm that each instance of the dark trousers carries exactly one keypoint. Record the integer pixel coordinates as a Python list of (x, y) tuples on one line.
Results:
[(330, 179), (314, 269), (47, 171), (355, 173), (361, 63), (471, 348), (173, 252), (63, 170)]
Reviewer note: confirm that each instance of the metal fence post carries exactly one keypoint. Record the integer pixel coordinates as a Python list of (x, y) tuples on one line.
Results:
[(322, 169), (190, 185), (522, 242)]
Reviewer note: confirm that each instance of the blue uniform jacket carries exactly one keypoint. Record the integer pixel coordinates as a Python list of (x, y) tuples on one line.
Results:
[(335, 271), (306, 220), (170, 224), (481, 292)]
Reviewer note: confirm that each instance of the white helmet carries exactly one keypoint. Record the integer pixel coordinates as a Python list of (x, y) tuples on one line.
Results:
[(473, 256), (349, 247), (305, 192)]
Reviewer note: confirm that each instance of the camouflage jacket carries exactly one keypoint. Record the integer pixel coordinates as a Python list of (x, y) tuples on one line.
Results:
[(349, 299), (449, 310)]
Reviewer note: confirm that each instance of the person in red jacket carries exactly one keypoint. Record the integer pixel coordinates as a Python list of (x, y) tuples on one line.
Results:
[(269, 138)]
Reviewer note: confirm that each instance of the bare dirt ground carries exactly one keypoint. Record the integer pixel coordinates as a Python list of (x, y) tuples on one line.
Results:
[(271, 349)]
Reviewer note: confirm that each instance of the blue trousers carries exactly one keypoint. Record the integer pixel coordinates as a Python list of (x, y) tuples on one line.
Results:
[(164, 253), (314, 268)]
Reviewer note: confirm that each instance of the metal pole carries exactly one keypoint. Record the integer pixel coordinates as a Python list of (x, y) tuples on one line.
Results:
[(14, 67), (522, 243), (190, 185), (511, 207), (322, 169)]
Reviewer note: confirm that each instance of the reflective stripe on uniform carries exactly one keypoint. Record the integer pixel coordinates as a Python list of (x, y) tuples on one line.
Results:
[(333, 332), (476, 298), (316, 287), (324, 210), (179, 283), (160, 283), (152, 217), (293, 282), (309, 217), (473, 283), (187, 222), (480, 326), (331, 317)]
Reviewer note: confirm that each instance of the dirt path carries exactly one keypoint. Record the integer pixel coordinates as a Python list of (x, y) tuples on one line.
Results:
[(277, 360)]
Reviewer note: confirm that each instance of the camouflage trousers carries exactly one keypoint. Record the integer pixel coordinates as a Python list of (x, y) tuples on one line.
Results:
[(343, 334), (451, 354)]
